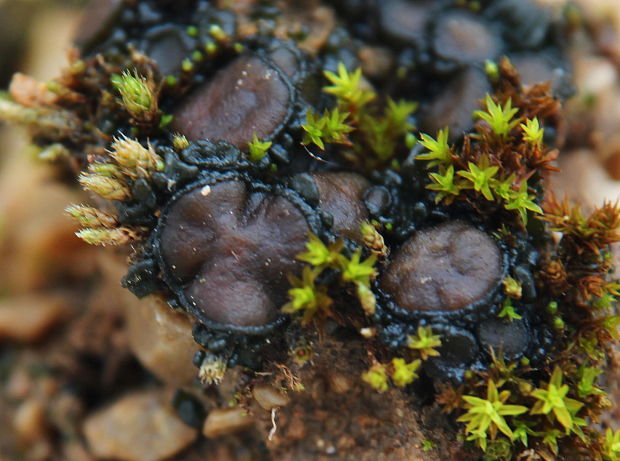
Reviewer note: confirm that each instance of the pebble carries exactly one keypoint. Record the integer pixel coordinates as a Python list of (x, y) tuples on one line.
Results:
[(225, 421), (269, 397), (28, 318), (584, 180), (30, 92), (138, 427), (339, 383), (296, 429), (161, 339), (30, 422), (19, 385)]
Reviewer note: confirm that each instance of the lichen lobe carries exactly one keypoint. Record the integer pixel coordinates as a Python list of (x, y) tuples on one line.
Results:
[(445, 268), (230, 249), (246, 98)]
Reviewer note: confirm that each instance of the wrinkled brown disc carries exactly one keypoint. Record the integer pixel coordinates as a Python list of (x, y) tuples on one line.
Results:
[(445, 268), (248, 97), (231, 250)]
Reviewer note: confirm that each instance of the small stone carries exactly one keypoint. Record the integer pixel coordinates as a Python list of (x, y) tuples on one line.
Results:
[(40, 450), (453, 106), (339, 383), (269, 398), (97, 20), (189, 408), (376, 61), (29, 421), (29, 92), (66, 411), (40, 241), (510, 338), (19, 385), (224, 421), (296, 429), (48, 387), (377, 200), (138, 427), (465, 38), (612, 165), (27, 319), (161, 338), (75, 451), (405, 21), (534, 68), (320, 21), (168, 49), (368, 332), (584, 181), (346, 442), (331, 450)]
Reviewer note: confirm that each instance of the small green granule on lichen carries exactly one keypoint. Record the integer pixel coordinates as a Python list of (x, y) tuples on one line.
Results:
[(258, 149), (508, 311)]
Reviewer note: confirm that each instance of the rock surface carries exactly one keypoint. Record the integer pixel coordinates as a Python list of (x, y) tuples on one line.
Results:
[(28, 318), (138, 427), (269, 398), (161, 339), (225, 421)]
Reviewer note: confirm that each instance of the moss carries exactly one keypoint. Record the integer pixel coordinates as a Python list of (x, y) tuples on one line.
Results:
[(357, 122), (137, 95), (325, 262)]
